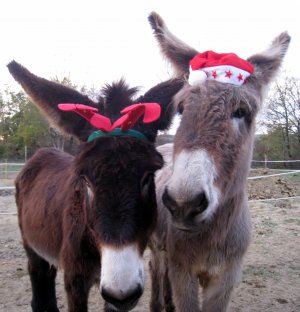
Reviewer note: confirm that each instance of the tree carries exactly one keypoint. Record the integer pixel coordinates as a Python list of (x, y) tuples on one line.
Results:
[(20, 125), (283, 115)]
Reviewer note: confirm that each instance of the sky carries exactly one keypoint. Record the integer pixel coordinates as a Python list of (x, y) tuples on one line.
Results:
[(97, 42)]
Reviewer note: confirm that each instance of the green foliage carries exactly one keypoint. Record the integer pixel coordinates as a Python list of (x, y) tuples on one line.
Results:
[(269, 144), (21, 124), (282, 120)]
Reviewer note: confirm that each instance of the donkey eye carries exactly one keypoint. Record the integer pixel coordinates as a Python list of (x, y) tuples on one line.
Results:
[(147, 178), (86, 181), (239, 113), (147, 181)]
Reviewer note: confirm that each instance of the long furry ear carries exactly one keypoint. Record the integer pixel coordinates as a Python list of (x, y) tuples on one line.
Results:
[(163, 94), (175, 50), (267, 63), (46, 95)]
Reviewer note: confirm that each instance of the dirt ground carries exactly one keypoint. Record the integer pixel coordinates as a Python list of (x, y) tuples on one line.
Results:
[(271, 275)]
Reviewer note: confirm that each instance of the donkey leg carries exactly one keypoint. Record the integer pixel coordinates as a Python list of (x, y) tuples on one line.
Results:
[(42, 277), (217, 292), (184, 287), (157, 272), (77, 287), (169, 306)]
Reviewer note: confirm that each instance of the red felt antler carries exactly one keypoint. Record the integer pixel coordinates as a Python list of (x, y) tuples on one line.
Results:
[(89, 113), (151, 112)]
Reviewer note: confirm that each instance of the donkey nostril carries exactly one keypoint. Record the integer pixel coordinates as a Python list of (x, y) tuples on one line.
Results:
[(199, 204), (203, 202), (168, 201), (122, 301)]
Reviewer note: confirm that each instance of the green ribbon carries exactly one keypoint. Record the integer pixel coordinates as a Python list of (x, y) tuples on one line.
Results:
[(116, 132)]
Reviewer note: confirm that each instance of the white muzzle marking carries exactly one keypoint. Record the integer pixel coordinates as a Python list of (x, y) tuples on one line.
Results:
[(122, 270), (194, 172)]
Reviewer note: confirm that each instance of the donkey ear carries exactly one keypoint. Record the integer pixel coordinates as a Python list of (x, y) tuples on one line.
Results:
[(163, 94), (175, 50), (46, 95), (266, 64)]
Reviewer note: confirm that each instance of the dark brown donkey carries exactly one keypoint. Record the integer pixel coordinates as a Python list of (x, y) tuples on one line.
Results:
[(204, 225), (91, 214)]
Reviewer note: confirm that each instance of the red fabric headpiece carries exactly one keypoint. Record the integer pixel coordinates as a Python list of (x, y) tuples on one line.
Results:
[(132, 113), (222, 67)]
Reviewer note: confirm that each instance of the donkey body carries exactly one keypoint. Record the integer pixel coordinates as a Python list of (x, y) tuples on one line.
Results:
[(204, 227), (90, 214)]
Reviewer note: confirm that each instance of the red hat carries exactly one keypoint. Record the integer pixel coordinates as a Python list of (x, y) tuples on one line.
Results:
[(222, 67)]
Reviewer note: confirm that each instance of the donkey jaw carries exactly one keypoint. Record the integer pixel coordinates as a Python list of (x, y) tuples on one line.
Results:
[(195, 172), (122, 276)]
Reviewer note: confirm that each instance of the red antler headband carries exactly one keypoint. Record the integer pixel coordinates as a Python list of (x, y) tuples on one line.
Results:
[(222, 67), (132, 113)]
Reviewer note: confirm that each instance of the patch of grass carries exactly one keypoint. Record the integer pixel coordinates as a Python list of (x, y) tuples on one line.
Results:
[(267, 221), (293, 177), (261, 271), (292, 220)]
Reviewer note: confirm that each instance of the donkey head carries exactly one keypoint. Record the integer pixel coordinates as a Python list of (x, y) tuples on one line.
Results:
[(213, 144), (113, 173)]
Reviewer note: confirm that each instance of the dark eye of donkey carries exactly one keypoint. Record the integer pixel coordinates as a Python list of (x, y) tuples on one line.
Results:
[(239, 113), (86, 181)]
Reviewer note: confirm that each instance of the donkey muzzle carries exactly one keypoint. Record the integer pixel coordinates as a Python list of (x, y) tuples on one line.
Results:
[(126, 303), (185, 211), (122, 276)]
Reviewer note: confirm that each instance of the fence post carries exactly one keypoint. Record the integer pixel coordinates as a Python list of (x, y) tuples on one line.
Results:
[(5, 169), (266, 161), (25, 153)]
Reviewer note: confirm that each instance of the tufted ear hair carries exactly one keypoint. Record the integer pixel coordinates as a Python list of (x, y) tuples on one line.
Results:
[(46, 95), (175, 50), (266, 64)]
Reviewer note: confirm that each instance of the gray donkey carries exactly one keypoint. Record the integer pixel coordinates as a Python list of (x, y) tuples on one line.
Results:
[(204, 225)]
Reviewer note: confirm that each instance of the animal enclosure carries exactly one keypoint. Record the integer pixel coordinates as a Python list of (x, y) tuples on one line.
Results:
[(270, 277)]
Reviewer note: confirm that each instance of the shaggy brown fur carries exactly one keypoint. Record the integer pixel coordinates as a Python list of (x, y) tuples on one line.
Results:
[(71, 209), (204, 227)]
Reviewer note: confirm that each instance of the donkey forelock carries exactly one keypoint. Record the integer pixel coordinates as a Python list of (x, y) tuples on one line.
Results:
[(114, 97)]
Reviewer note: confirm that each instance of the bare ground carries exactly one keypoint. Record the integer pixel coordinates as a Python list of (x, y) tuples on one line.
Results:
[(271, 276)]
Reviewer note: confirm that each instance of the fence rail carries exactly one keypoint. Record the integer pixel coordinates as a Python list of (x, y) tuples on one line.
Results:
[(4, 188), (274, 175), (276, 161), (11, 164), (6, 165)]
